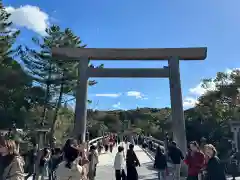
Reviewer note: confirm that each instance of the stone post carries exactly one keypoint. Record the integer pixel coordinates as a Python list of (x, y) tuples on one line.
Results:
[(81, 101), (178, 122)]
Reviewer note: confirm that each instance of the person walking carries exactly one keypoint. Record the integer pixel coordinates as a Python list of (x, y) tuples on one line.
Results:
[(106, 144), (32, 156), (111, 143), (93, 161), (160, 163), (119, 164), (118, 139), (195, 161), (126, 142), (44, 163), (115, 140), (99, 147), (11, 161), (132, 140), (132, 162), (214, 169), (69, 168), (176, 157), (57, 158)]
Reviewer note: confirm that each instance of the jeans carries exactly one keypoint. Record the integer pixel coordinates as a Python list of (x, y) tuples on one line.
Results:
[(176, 171), (161, 175), (44, 171)]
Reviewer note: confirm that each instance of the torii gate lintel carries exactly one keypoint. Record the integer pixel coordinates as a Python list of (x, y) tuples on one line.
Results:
[(173, 55)]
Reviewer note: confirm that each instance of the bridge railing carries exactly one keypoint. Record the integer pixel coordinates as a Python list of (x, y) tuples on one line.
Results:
[(95, 140), (155, 143)]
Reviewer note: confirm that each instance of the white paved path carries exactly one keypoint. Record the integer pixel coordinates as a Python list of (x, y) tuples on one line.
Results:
[(105, 168)]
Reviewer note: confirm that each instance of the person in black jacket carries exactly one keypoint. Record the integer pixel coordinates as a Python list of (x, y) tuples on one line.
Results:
[(215, 170), (32, 155), (132, 162), (176, 157), (160, 164)]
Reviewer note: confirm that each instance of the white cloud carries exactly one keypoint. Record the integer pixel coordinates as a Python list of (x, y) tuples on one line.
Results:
[(228, 71), (189, 102), (199, 90), (136, 94), (117, 106), (30, 17), (108, 95)]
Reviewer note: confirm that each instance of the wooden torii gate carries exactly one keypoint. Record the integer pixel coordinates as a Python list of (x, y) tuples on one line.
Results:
[(172, 55)]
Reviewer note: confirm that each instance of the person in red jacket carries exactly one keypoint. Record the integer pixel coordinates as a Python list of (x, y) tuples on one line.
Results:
[(194, 160)]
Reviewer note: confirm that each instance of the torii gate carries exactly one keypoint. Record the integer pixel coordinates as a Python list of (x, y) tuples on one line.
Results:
[(172, 55)]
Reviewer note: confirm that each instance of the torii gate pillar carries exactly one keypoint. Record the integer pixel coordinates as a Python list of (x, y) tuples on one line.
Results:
[(80, 124), (178, 122)]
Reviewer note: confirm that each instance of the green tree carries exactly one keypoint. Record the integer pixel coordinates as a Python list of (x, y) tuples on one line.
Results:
[(15, 85), (58, 76)]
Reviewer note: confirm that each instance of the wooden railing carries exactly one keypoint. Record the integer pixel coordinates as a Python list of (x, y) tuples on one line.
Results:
[(155, 143), (95, 140)]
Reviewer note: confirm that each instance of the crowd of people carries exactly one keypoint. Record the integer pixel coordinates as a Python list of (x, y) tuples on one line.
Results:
[(74, 162), (202, 164)]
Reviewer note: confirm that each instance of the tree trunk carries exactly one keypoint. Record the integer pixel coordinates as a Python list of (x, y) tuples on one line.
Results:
[(59, 103), (46, 95)]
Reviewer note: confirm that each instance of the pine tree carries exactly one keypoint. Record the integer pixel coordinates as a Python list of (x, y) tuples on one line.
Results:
[(15, 84), (59, 77), (8, 35)]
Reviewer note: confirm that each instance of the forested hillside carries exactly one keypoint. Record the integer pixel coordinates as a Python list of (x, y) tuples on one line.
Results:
[(35, 90)]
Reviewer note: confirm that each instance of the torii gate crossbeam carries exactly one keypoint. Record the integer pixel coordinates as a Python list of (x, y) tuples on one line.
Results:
[(172, 55)]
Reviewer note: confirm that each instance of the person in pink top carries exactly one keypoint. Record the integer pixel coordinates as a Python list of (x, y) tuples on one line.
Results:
[(106, 144), (111, 143)]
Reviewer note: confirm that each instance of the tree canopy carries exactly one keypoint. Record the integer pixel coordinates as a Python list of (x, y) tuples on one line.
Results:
[(35, 89)]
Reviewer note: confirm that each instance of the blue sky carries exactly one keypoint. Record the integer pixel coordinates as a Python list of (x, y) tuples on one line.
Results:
[(140, 24)]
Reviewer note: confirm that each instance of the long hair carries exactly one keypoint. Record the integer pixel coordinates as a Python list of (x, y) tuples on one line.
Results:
[(70, 153), (210, 146), (195, 144), (11, 146), (12, 152), (159, 152)]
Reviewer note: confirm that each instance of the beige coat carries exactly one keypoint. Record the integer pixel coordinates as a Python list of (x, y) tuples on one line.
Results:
[(75, 173), (15, 169), (92, 165)]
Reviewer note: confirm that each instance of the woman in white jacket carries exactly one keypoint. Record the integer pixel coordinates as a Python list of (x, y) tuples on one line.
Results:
[(70, 169), (119, 164)]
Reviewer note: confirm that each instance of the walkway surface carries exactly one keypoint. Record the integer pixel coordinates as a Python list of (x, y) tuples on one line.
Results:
[(105, 168)]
